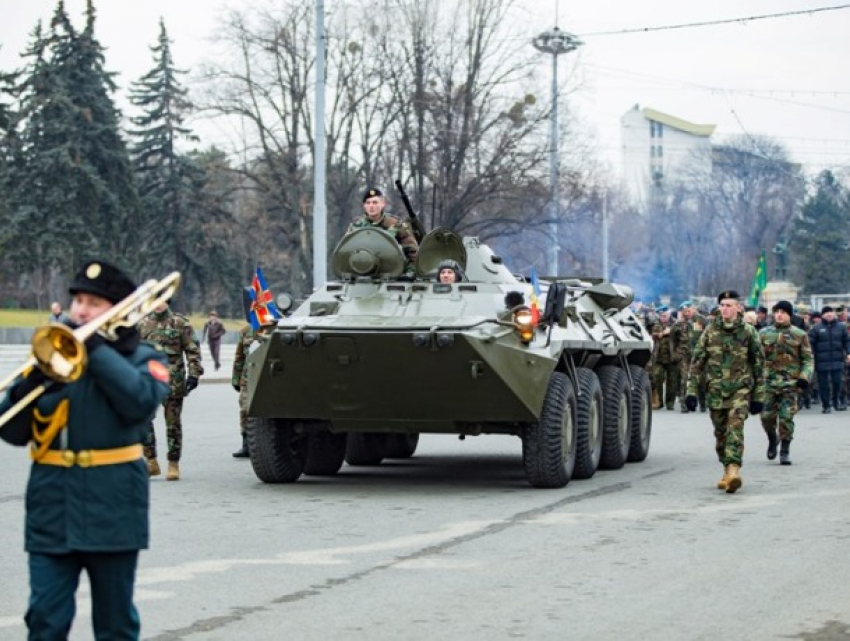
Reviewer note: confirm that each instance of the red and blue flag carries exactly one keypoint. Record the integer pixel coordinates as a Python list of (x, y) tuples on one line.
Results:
[(261, 308), (535, 297)]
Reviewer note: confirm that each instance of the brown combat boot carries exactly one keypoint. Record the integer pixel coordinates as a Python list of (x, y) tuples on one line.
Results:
[(656, 400), (721, 484), (734, 483), (173, 471), (153, 467)]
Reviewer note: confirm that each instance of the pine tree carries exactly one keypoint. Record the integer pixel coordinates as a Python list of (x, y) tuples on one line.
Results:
[(821, 238), (72, 194), (164, 176)]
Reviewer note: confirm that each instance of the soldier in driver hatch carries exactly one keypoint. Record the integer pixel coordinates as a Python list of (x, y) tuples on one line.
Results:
[(374, 216), (174, 335), (448, 271), (730, 356)]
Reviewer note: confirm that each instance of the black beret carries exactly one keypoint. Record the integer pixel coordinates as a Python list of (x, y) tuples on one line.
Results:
[(104, 280), (839, 309), (372, 193), (729, 293), (762, 309), (785, 306), (826, 308)]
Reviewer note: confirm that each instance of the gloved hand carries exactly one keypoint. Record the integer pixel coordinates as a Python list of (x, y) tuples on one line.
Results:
[(691, 403), (236, 387), (93, 342), (127, 342), (802, 383), (35, 378), (191, 383), (756, 407)]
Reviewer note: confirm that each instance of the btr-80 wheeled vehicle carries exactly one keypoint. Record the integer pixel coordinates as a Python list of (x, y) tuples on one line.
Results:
[(371, 360)]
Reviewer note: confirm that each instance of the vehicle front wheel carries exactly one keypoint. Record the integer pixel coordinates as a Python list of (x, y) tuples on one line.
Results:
[(549, 445), (278, 449)]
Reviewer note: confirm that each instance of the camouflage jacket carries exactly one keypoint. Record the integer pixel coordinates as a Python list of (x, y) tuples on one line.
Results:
[(685, 335), (397, 228), (173, 334), (730, 356), (246, 337), (663, 352), (787, 356)]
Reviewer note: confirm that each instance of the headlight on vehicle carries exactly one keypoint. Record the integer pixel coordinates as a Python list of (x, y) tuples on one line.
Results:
[(524, 324)]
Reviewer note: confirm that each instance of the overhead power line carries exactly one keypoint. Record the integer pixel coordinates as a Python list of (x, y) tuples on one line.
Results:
[(711, 23)]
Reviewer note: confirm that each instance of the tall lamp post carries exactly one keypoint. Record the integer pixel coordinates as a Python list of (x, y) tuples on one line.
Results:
[(554, 42)]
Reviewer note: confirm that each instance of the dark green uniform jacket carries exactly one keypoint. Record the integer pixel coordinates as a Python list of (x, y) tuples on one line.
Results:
[(103, 508)]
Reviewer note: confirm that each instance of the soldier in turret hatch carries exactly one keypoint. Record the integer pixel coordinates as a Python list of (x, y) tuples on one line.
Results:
[(374, 216)]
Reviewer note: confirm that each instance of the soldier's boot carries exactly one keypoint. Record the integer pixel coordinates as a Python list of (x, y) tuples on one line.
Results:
[(243, 451), (772, 442), (153, 467), (682, 407), (173, 471), (734, 483), (656, 400), (721, 484), (785, 452)]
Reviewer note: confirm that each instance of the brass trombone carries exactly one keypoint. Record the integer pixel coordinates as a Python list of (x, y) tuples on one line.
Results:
[(60, 352)]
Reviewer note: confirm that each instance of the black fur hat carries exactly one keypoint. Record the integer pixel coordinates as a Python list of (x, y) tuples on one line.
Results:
[(104, 280), (785, 306)]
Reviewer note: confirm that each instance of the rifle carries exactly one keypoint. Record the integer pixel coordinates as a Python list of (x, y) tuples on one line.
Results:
[(415, 222)]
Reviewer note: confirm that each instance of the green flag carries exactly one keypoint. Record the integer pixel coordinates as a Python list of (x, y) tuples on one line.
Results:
[(759, 280)]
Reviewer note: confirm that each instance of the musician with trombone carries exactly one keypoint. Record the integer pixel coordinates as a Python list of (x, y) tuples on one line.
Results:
[(83, 402)]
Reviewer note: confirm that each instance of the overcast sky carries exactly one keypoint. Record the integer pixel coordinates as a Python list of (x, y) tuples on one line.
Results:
[(785, 77)]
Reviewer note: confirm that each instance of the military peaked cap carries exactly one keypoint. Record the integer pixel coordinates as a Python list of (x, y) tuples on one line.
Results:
[(372, 192), (104, 280), (729, 293)]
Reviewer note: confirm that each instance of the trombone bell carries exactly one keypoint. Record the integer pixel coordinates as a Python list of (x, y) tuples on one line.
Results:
[(60, 355)]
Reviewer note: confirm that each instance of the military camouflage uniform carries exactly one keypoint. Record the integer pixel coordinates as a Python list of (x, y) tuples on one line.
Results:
[(174, 335), (731, 357), (684, 336), (666, 368), (787, 358), (239, 377), (398, 229)]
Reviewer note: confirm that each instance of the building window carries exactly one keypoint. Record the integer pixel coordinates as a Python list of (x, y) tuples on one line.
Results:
[(659, 130), (660, 151)]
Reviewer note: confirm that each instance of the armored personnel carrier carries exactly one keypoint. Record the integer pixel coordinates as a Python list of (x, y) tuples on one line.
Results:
[(370, 361)]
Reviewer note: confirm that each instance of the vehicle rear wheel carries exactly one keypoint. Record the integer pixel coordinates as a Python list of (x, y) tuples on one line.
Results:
[(641, 415), (365, 448), (589, 413), (549, 445), (325, 453), (401, 445), (616, 409), (278, 449)]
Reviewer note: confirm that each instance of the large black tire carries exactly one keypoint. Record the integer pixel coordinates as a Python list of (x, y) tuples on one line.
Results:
[(401, 445), (325, 453), (641, 415), (549, 445), (616, 424), (365, 448), (589, 412), (278, 450)]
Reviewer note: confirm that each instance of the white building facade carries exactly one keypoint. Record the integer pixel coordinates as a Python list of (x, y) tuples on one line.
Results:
[(654, 145)]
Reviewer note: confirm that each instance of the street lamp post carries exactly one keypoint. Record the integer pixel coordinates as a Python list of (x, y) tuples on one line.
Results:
[(554, 42)]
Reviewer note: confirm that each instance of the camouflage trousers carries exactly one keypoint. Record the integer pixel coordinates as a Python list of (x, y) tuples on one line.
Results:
[(780, 408), (729, 433), (684, 369), (665, 381), (173, 407), (243, 409)]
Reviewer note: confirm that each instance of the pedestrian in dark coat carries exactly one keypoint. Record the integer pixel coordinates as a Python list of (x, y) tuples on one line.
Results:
[(830, 346), (87, 497)]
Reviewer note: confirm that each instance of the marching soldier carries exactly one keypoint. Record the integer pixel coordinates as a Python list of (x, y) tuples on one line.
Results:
[(788, 367), (174, 335), (666, 371), (684, 335), (240, 384), (87, 497), (730, 356)]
